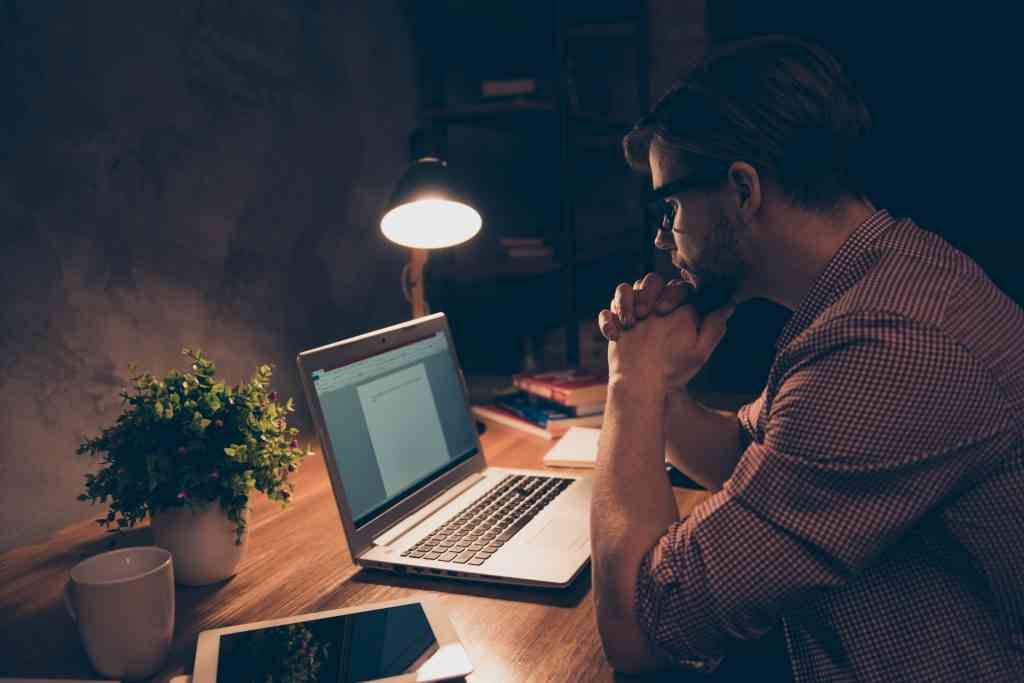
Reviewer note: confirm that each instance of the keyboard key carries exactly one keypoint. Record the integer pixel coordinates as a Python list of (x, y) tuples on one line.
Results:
[(448, 557), (477, 561), (432, 556)]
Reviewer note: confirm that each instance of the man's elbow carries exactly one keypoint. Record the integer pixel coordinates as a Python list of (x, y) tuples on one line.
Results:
[(630, 663), (625, 646)]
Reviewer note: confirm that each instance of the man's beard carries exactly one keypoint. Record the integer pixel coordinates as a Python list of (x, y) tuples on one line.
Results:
[(720, 269)]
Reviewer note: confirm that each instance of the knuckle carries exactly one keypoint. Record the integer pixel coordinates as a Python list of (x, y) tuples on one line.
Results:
[(652, 279)]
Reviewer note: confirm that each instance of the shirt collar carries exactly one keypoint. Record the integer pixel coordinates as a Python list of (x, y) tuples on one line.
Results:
[(844, 269)]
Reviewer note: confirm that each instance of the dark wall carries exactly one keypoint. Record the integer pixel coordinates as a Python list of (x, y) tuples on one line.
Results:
[(203, 172)]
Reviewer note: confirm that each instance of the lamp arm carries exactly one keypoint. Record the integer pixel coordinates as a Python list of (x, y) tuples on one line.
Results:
[(412, 282)]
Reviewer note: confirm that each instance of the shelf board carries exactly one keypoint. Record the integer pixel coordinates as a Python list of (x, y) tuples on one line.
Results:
[(524, 111), (623, 30), (477, 271)]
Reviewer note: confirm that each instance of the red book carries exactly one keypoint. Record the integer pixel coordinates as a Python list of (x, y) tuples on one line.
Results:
[(506, 417), (573, 387)]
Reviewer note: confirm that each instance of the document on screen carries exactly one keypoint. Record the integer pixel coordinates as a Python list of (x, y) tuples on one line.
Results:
[(404, 427)]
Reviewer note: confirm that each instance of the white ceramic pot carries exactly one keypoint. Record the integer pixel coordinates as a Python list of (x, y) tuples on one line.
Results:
[(201, 541)]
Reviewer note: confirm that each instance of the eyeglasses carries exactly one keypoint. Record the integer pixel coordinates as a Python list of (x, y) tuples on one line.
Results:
[(661, 214)]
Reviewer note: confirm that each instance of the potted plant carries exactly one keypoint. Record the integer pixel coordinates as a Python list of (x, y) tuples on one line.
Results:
[(188, 450)]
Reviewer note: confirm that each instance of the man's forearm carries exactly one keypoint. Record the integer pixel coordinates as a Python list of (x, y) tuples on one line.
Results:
[(632, 506), (704, 444)]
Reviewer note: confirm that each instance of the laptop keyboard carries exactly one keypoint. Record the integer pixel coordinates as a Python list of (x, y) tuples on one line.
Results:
[(479, 531)]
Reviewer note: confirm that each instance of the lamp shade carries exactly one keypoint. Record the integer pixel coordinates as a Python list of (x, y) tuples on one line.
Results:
[(427, 210)]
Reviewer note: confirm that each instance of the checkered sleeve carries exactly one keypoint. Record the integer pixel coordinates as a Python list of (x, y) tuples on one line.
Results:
[(747, 416), (863, 438)]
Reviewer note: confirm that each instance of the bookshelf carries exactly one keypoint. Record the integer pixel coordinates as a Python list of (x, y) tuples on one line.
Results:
[(545, 164)]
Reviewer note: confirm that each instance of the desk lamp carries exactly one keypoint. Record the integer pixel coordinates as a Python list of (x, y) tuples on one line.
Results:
[(426, 212)]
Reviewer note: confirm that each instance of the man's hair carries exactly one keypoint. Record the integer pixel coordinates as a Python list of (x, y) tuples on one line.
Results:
[(780, 104)]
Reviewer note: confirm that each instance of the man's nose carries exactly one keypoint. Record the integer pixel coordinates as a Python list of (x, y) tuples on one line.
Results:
[(663, 240)]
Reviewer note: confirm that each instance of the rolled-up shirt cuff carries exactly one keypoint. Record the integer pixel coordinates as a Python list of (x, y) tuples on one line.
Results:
[(654, 586)]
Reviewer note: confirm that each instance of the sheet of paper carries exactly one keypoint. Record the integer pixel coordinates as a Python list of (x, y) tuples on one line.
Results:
[(577, 448)]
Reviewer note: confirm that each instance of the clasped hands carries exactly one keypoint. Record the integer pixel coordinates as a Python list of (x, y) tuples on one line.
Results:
[(657, 340)]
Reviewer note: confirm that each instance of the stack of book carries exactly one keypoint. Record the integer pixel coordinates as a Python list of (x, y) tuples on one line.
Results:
[(526, 247), (547, 404)]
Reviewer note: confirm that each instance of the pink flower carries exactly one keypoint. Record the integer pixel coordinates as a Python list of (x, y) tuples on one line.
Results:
[(183, 451), (272, 396), (182, 495), (214, 476), (295, 443)]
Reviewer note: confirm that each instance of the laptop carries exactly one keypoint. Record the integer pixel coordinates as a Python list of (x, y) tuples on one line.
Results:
[(414, 492)]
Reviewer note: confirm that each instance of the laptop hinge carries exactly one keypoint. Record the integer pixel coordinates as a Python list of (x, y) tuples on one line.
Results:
[(418, 517)]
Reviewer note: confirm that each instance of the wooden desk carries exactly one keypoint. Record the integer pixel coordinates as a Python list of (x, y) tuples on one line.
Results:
[(298, 562)]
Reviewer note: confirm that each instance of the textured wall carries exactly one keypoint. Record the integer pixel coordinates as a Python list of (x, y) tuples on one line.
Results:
[(204, 173)]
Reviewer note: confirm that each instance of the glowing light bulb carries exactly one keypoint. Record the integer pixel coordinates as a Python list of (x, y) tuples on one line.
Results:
[(431, 223)]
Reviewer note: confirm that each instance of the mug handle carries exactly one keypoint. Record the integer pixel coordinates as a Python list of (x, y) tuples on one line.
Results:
[(67, 601)]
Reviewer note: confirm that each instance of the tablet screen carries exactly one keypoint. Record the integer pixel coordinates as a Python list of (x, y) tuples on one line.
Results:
[(349, 647)]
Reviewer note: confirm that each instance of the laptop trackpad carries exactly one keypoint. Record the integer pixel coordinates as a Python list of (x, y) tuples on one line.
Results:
[(560, 532)]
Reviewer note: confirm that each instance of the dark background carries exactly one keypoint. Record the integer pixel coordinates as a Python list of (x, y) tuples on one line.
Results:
[(211, 173)]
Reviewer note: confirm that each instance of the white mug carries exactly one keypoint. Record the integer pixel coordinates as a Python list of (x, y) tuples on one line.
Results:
[(123, 601)]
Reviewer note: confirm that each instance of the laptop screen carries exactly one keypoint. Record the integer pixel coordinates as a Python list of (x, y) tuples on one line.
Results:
[(395, 421)]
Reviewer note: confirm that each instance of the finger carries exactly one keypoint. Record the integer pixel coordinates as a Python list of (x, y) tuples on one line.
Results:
[(609, 325), (712, 329), (673, 295), (622, 305), (647, 293)]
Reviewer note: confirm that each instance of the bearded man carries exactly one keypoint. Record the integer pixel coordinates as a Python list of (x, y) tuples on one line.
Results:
[(868, 503)]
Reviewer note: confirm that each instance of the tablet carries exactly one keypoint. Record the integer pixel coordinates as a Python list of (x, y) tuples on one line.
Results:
[(406, 640)]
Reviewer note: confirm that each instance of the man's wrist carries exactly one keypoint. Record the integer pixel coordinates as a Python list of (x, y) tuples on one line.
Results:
[(636, 390)]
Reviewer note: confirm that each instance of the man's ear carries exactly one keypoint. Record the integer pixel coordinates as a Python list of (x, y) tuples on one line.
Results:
[(746, 186)]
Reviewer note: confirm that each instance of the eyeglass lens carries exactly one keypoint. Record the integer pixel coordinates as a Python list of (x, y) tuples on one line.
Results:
[(668, 215)]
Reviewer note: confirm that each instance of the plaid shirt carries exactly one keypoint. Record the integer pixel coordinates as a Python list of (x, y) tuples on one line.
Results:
[(878, 509)]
